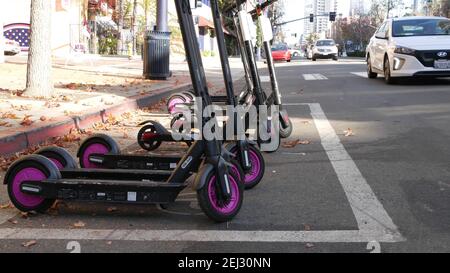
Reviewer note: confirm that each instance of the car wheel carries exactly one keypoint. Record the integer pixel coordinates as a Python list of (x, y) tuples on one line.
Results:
[(370, 73), (387, 72), (314, 59)]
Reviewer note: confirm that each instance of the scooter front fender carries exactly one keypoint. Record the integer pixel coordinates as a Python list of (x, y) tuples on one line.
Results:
[(159, 128)]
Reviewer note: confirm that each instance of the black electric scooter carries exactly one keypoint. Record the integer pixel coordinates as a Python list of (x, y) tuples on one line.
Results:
[(251, 76), (34, 181), (152, 134)]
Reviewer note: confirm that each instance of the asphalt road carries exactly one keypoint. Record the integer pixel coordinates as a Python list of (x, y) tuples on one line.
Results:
[(387, 184)]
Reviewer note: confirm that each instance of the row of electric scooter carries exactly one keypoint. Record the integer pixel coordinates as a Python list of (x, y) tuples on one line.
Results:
[(221, 170)]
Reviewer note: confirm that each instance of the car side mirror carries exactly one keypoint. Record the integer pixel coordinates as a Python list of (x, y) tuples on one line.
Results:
[(381, 36)]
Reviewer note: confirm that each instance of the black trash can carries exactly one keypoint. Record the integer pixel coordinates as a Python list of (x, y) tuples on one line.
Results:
[(156, 55)]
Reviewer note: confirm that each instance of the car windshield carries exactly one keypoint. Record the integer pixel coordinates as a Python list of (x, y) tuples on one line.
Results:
[(325, 43), (420, 27), (279, 48)]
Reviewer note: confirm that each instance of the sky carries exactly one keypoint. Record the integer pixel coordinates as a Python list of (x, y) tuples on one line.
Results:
[(294, 9)]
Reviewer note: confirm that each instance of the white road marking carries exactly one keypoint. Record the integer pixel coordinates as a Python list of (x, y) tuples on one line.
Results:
[(360, 74), (265, 78), (353, 236), (374, 224), (314, 77), (369, 212)]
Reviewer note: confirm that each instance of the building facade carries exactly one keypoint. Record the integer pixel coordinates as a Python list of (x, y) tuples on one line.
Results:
[(321, 9), (66, 24)]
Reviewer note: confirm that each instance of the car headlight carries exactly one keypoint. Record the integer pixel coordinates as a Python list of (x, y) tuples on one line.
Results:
[(404, 50)]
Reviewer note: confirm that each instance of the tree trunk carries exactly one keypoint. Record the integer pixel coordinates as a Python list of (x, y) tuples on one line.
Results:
[(120, 26), (133, 26), (39, 69)]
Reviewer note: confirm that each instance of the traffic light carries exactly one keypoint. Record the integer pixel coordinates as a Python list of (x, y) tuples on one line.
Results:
[(196, 4), (311, 18), (332, 16)]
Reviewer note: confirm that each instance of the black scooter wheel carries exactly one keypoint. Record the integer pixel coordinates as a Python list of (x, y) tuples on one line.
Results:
[(208, 198), (62, 158), (30, 168), (253, 176), (98, 144), (174, 100), (147, 138), (237, 171), (190, 95), (286, 132)]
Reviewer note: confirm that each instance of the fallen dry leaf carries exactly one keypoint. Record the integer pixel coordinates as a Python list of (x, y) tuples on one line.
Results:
[(43, 118), (26, 121), (79, 224), (67, 98), (29, 243), (71, 86), (349, 132), (309, 245), (9, 115), (26, 215), (14, 222), (22, 107), (49, 104), (112, 209), (3, 123), (292, 144), (7, 206)]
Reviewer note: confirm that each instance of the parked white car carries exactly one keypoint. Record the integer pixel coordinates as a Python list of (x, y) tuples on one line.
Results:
[(11, 47), (410, 47), (324, 49)]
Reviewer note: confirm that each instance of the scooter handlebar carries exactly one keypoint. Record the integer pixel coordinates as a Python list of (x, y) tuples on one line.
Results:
[(262, 6)]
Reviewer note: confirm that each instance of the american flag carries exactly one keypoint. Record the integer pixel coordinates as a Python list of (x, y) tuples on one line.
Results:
[(18, 32)]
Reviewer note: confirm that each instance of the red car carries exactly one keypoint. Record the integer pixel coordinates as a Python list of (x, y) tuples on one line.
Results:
[(281, 53)]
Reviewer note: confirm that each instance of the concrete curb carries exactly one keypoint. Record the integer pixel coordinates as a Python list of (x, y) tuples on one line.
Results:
[(26, 137)]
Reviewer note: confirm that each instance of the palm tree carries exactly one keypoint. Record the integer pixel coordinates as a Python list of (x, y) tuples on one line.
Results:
[(39, 67)]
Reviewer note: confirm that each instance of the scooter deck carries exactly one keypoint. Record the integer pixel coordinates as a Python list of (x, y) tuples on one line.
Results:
[(126, 191), (137, 162), (116, 174)]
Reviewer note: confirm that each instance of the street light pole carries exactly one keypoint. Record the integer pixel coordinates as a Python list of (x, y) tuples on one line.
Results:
[(162, 16)]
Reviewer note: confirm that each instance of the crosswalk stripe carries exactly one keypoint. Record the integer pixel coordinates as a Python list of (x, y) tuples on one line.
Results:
[(314, 77), (360, 74)]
